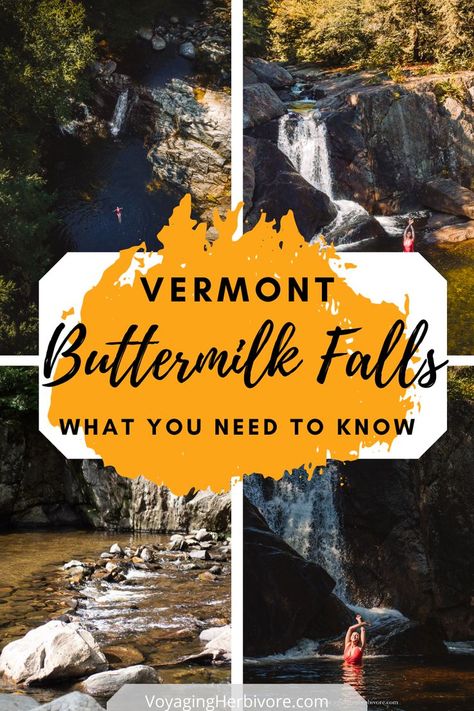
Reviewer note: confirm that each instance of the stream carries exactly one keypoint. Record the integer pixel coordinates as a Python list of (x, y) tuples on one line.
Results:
[(302, 136), (154, 617)]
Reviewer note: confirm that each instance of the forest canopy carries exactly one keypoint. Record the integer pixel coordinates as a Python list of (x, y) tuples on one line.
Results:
[(370, 33)]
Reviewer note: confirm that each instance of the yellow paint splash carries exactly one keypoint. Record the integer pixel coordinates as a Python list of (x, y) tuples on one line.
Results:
[(184, 461)]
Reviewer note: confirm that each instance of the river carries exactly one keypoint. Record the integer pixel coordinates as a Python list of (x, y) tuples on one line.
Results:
[(156, 616)]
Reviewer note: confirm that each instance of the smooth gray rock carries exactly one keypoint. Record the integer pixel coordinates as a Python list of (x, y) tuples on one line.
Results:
[(158, 43), (109, 682), (72, 702), (187, 50), (17, 702), (448, 196), (269, 72), (53, 651), (261, 104)]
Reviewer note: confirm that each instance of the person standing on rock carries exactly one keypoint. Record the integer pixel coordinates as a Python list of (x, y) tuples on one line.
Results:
[(118, 211), (409, 237), (354, 643)]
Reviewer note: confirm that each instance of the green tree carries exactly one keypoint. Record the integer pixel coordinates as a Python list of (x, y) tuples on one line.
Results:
[(18, 390), (456, 23)]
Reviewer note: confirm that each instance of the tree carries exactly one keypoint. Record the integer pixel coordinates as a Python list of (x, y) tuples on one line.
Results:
[(456, 22)]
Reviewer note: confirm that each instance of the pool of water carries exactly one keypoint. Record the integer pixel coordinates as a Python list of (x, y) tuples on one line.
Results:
[(402, 683), (156, 616), (456, 263), (91, 180)]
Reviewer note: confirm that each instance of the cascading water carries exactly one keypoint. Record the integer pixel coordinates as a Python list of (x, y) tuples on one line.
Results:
[(303, 138), (303, 512), (120, 113)]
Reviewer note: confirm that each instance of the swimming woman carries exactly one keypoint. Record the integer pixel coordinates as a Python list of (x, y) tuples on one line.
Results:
[(354, 643), (409, 236)]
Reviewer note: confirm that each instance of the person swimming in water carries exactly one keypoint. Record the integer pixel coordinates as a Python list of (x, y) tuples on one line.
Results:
[(118, 212), (409, 236), (354, 643)]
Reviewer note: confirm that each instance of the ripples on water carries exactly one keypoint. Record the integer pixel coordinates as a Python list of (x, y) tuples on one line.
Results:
[(157, 614)]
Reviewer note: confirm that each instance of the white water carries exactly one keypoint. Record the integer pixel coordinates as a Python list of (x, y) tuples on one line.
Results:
[(303, 138), (304, 514), (120, 113)]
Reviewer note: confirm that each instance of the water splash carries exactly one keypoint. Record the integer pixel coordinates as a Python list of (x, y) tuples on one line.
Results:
[(303, 139), (303, 512), (120, 113)]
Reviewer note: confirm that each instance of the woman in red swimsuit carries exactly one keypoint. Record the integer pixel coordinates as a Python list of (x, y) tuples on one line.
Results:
[(409, 236), (354, 644)]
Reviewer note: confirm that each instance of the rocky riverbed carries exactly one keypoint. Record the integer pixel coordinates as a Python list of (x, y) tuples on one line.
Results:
[(140, 608)]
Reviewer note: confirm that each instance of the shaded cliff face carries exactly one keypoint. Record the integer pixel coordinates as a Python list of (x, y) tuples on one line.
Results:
[(40, 488), (408, 529), (286, 597), (396, 534), (384, 140)]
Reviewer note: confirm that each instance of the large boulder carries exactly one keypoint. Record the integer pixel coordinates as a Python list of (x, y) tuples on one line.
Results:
[(53, 651), (270, 73), (448, 196), (278, 188), (107, 683), (286, 597), (387, 139), (74, 701), (190, 145), (452, 233), (17, 702), (397, 638), (261, 104)]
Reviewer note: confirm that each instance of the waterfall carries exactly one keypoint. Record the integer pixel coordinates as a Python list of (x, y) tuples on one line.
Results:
[(303, 139), (303, 512), (120, 112)]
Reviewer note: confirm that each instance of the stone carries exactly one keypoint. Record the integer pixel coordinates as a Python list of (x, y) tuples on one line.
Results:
[(158, 43), (207, 576), (445, 195), (203, 535), (147, 555), (53, 651), (280, 188), (199, 555), (17, 702), (108, 67), (145, 33), (215, 570), (123, 654), (109, 682), (75, 701), (72, 564), (250, 77), (203, 129), (261, 105), (187, 50), (452, 233), (269, 72), (106, 555), (211, 633), (115, 549)]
